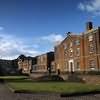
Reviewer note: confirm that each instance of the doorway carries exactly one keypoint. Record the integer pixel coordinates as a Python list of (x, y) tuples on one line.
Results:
[(71, 65)]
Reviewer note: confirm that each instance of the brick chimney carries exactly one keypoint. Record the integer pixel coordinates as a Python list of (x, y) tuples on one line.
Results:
[(89, 26)]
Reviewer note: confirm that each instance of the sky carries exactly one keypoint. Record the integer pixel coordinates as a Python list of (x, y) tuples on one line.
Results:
[(33, 27)]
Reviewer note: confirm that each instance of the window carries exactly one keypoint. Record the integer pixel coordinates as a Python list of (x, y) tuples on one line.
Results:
[(77, 65), (71, 44), (65, 53), (77, 51), (90, 38), (77, 42), (71, 50), (58, 66), (65, 67), (70, 54), (92, 64), (52, 67), (65, 46), (91, 48)]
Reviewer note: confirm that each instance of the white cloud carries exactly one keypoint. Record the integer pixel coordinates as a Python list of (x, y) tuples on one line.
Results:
[(91, 6), (53, 38), (11, 47), (81, 6)]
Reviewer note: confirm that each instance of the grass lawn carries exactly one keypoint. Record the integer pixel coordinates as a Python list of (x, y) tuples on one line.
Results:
[(12, 77), (59, 87), (21, 83)]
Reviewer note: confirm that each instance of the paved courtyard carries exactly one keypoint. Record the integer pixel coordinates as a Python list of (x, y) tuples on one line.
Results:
[(6, 94)]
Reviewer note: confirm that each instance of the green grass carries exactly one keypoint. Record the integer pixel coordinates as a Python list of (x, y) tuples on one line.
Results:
[(57, 87), (20, 83), (12, 77)]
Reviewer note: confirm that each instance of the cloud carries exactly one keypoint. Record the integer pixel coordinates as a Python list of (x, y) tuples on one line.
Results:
[(91, 6), (53, 38), (81, 6), (11, 47)]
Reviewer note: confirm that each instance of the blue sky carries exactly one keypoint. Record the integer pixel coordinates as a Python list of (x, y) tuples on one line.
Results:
[(33, 27)]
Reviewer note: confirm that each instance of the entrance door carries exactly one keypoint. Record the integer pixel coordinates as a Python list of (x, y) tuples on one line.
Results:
[(71, 65)]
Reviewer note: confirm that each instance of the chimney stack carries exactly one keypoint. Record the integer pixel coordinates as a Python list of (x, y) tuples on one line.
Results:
[(89, 26)]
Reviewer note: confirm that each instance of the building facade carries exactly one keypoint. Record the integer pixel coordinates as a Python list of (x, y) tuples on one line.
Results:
[(25, 64), (43, 62), (79, 52)]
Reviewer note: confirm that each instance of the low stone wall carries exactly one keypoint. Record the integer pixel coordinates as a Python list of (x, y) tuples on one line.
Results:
[(37, 74), (90, 79)]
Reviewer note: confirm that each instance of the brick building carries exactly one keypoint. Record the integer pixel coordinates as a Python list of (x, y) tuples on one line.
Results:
[(25, 63), (79, 52), (44, 62)]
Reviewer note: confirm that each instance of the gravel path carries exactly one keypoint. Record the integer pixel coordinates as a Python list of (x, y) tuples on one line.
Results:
[(6, 94)]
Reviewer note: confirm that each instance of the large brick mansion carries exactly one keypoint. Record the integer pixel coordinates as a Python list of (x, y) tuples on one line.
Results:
[(79, 52)]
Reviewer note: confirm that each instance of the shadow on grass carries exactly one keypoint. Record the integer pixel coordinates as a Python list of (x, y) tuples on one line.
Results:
[(50, 78), (80, 93), (1, 81)]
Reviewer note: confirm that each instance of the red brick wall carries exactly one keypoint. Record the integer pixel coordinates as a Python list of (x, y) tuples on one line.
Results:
[(89, 51)]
